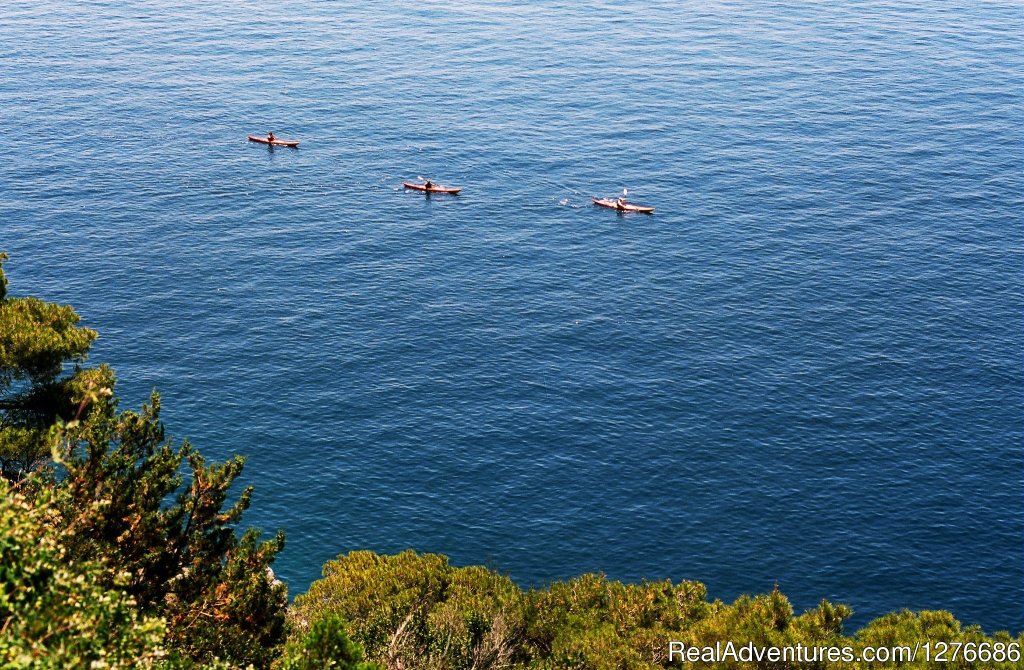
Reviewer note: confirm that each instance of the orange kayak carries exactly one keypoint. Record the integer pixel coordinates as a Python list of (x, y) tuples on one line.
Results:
[(276, 143), (436, 188), (626, 207)]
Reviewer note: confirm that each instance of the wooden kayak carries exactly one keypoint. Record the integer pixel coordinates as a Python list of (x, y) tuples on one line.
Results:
[(605, 202), (436, 188), (276, 143)]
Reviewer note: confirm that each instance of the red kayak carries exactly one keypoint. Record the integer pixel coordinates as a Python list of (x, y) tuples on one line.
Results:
[(625, 207), (276, 143), (436, 188)]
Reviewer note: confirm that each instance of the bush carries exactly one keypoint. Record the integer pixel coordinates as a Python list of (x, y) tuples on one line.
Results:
[(416, 611), (53, 611), (325, 647)]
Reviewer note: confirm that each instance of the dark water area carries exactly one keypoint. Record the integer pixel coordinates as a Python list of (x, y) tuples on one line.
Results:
[(804, 368)]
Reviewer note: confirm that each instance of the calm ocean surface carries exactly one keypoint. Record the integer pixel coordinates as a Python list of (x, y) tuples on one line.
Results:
[(805, 368)]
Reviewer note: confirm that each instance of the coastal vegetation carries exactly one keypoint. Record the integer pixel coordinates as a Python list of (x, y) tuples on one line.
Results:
[(122, 549), (417, 611)]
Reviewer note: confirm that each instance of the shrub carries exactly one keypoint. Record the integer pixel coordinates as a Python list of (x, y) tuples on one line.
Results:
[(325, 646), (53, 611), (416, 611)]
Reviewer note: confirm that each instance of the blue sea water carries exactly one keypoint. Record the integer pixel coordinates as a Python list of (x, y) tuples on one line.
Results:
[(803, 369)]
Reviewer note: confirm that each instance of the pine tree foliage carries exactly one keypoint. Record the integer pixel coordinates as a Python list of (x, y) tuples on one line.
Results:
[(126, 503), (39, 341), (152, 521)]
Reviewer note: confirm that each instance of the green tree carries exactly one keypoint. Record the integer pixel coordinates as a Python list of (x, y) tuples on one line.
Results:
[(42, 348), (170, 540), (154, 519)]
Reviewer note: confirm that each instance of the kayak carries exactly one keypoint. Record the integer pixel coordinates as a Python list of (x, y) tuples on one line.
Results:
[(604, 202), (276, 143), (436, 188)]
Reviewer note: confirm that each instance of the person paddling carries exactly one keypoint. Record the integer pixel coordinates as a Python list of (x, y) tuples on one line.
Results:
[(428, 184), (620, 203), (270, 136)]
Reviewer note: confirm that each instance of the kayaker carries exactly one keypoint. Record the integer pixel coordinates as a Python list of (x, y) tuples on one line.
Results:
[(428, 185), (270, 137), (620, 203)]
